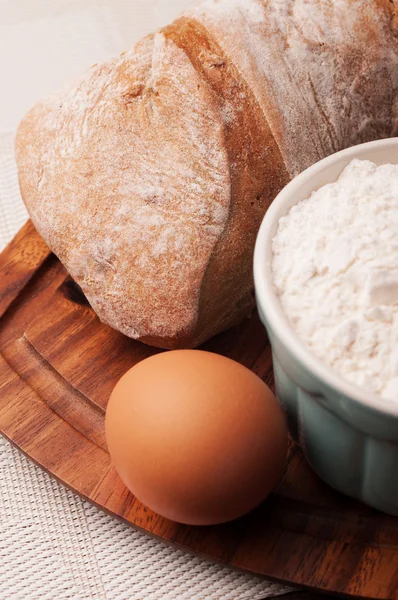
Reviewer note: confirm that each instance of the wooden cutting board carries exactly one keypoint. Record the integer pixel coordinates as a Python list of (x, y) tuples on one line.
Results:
[(58, 365)]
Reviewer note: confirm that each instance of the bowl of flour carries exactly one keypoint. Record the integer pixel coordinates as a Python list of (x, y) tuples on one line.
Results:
[(326, 278)]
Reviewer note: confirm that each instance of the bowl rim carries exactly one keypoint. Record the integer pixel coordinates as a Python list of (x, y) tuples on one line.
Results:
[(267, 297)]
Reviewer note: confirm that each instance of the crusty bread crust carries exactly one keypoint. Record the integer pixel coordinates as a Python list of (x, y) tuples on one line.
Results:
[(149, 177)]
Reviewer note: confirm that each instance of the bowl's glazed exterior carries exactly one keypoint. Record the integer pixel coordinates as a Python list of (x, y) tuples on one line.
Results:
[(349, 438)]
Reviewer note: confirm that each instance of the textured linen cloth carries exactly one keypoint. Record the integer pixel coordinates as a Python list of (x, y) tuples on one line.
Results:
[(54, 545)]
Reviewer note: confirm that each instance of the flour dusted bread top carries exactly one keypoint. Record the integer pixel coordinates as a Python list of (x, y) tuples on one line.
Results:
[(150, 175), (131, 193), (325, 72)]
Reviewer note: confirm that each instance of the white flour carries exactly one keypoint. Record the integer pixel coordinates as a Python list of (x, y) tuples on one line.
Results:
[(335, 269)]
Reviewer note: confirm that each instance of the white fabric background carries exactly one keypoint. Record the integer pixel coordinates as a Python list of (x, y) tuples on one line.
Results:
[(53, 545)]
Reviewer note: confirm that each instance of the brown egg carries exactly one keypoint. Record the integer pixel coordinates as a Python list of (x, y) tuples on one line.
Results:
[(197, 437)]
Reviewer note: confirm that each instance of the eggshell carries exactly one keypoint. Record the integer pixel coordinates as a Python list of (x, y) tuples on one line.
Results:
[(195, 436)]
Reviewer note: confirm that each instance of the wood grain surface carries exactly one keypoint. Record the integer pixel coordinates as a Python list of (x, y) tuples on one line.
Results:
[(53, 354)]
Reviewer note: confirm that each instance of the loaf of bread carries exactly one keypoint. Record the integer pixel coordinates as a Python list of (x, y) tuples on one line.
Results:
[(149, 177)]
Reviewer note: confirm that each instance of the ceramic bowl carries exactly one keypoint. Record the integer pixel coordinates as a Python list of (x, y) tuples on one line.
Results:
[(349, 436)]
